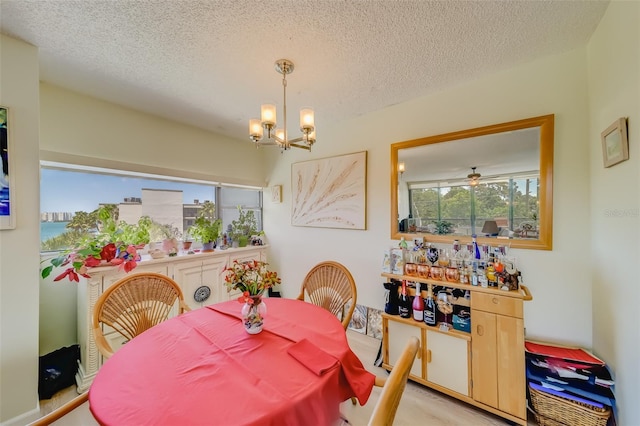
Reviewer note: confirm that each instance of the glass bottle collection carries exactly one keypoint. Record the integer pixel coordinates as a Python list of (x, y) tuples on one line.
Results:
[(473, 264), (469, 263)]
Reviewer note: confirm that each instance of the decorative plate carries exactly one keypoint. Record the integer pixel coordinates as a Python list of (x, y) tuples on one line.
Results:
[(201, 294)]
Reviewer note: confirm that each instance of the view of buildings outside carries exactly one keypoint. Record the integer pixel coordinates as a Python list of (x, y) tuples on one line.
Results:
[(65, 193)]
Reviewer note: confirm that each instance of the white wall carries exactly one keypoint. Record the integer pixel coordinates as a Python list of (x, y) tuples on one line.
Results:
[(19, 248), (558, 279), (614, 91)]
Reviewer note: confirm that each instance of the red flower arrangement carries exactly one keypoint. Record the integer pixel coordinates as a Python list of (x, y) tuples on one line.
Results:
[(251, 277)]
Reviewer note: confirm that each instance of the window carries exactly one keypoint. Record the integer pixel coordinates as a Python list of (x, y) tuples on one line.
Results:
[(68, 194), (232, 198), (457, 208)]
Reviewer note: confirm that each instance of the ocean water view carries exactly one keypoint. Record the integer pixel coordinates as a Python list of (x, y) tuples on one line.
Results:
[(51, 229)]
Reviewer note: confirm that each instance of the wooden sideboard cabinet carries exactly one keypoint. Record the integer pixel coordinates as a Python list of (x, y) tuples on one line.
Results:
[(200, 277), (486, 367)]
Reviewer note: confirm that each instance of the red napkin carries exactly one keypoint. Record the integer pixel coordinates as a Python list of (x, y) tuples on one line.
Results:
[(312, 357)]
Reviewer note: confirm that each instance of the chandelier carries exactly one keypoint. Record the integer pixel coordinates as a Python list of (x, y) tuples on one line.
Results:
[(267, 122)]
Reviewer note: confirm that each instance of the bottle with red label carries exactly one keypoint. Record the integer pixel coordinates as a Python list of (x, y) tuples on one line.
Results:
[(418, 305)]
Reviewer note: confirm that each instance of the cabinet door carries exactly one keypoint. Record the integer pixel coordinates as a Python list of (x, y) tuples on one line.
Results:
[(200, 279), (213, 276), (397, 337), (484, 358), (511, 368), (448, 361)]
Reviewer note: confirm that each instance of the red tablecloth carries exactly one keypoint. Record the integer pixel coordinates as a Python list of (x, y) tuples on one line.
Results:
[(202, 368)]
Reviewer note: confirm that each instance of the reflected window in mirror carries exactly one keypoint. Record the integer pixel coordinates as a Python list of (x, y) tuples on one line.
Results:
[(454, 185), (496, 206)]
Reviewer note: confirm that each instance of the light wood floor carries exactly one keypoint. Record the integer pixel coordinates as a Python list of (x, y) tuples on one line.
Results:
[(419, 405)]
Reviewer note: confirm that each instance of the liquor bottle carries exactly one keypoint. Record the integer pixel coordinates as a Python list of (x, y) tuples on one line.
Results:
[(473, 277), (405, 249), (482, 277), (418, 305), (430, 308), (476, 249), (404, 306), (492, 280)]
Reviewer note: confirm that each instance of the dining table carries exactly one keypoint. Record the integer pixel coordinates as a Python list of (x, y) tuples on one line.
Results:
[(203, 368)]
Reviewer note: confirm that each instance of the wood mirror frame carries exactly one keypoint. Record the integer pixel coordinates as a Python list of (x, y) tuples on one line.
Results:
[(545, 219)]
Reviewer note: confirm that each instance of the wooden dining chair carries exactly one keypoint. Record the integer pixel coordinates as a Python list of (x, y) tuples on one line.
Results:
[(331, 286), (393, 386), (61, 411), (134, 304)]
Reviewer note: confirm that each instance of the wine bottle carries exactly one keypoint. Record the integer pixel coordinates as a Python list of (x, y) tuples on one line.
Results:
[(418, 305), (404, 307), (429, 308)]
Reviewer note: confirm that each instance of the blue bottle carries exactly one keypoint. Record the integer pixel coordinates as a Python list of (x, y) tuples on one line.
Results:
[(476, 249)]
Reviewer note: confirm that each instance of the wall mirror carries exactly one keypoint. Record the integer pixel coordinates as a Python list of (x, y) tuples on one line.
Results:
[(494, 181)]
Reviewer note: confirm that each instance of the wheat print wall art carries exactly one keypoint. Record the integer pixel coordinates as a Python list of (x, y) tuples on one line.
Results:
[(330, 192)]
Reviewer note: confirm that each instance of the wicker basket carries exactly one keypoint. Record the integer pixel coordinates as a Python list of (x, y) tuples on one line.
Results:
[(551, 410)]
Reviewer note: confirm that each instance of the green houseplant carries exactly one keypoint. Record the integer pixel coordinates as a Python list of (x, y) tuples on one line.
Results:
[(114, 244), (206, 228), (244, 227), (443, 227)]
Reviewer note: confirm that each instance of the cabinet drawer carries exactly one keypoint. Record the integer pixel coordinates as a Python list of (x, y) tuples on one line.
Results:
[(502, 305)]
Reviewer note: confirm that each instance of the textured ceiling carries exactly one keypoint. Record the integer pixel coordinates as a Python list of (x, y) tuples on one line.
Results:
[(210, 63)]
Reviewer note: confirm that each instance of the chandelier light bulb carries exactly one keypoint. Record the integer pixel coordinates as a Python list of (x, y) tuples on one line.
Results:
[(306, 119), (255, 129), (268, 114)]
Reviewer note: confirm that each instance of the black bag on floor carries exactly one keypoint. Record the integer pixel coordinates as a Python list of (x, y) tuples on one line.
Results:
[(57, 370)]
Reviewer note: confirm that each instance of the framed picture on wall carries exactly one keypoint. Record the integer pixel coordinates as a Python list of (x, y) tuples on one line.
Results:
[(330, 192), (615, 145), (7, 189)]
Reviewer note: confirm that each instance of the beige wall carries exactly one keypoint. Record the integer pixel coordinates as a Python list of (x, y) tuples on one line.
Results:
[(19, 247), (102, 133), (558, 279), (614, 91)]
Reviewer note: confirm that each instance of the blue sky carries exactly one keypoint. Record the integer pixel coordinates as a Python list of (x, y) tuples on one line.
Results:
[(71, 191)]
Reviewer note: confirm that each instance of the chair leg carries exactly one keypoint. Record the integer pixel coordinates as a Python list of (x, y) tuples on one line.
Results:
[(354, 401)]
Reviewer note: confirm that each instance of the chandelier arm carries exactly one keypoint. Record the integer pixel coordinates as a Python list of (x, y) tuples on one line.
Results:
[(297, 145), (267, 142)]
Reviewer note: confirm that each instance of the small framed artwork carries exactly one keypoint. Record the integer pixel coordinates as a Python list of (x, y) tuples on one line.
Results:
[(276, 194), (358, 319), (7, 189), (615, 145)]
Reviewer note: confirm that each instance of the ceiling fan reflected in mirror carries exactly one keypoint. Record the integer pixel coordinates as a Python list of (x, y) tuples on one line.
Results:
[(474, 177)]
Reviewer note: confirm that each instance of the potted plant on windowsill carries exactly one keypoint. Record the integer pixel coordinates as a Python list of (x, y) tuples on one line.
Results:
[(243, 228), (206, 228), (114, 244)]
